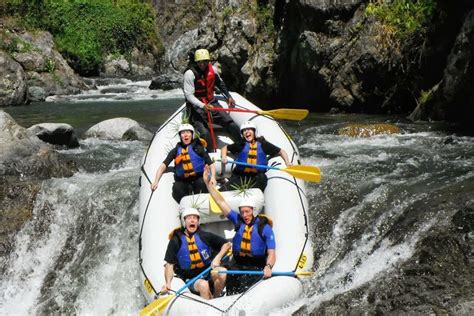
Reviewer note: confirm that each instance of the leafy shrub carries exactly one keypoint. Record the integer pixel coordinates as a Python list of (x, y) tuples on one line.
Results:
[(404, 17), (85, 31)]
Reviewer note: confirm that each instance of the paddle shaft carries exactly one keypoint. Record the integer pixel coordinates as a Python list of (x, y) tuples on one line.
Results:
[(256, 272), (191, 282), (234, 110), (307, 173), (252, 165), (197, 277), (284, 114)]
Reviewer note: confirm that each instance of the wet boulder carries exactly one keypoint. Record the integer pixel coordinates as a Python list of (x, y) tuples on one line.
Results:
[(368, 130), (23, 154), (166, 82), (120, 128), (56, 134)]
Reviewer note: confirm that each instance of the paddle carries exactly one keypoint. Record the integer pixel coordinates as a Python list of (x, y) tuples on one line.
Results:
[(158, 306), (284, 114), (308, 173), (211, 129), (257, 272), (213, 205)]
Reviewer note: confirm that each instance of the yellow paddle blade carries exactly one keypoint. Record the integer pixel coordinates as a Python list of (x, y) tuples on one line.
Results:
[(213, 205), (304, 273), (286, 114), (157, 307), (308, 173)]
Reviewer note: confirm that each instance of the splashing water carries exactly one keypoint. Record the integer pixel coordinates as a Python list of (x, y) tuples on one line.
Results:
[(78, 255)]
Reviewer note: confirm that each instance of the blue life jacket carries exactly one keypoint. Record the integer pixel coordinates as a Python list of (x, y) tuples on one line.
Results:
[(250, 156), (188, 163), (258, 247), (184, 256)]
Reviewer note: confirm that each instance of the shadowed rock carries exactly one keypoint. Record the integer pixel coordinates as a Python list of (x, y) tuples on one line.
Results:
[(56, 134)]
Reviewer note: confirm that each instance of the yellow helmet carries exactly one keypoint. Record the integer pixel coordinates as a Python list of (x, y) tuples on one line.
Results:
[(201, 54)]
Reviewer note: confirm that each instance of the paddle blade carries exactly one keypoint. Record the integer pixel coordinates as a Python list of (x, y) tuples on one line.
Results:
[(304, 273), (157, 307), (213, 205), (307, 173), (287, 114)]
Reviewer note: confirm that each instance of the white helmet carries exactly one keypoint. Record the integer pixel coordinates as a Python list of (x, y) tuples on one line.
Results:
[(249, 203), (248, 124), (189, 211), (185, 127)]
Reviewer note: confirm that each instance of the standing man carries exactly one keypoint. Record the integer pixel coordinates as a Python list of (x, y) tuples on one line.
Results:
[(253, 245), (200, 78), (190, 251), (189, 159), (253, 150)]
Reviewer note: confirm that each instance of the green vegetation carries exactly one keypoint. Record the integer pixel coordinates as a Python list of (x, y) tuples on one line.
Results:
[(85, 31), (264, 16), (402, 17), (424, 96), (50, 66), (16, 45)]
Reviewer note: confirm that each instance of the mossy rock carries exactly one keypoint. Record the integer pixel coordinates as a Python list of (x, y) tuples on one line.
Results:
[(368, 130)]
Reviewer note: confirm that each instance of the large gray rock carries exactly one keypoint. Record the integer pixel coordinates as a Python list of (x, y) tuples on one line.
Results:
[(12, 81), (121, 128), (36, 94), (56, 133), (22, 153), (15, 139)]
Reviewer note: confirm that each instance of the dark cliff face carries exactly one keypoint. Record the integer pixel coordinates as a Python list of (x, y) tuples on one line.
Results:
[(325, 55)]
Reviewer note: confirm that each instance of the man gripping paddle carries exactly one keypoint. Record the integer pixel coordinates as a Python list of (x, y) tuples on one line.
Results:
[(190, 251), (253, 150)]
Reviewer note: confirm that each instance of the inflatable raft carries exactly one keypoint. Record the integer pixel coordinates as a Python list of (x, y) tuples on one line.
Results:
[(284, 200)]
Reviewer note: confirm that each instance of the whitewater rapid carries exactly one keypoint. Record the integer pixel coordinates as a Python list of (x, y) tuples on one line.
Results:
[(78, 254)]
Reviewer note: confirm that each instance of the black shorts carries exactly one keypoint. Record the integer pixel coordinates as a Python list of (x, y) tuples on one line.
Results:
[(236, 284), (206, 278)]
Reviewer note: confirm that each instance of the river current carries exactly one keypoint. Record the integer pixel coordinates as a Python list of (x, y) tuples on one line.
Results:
[(78, 255)]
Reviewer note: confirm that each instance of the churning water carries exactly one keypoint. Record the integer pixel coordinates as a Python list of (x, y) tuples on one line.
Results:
[(78, 255)]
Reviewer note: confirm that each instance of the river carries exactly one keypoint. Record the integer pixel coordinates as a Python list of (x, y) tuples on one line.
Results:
[(79, 253)]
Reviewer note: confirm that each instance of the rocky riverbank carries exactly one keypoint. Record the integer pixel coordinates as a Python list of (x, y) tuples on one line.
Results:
[(331, 55), (346, 55)]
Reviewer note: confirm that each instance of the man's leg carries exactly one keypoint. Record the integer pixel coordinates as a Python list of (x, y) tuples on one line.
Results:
[(219, 281), (201, 286), (260, 181), (199, 186), (199, 121), (180, 189), (224, 119)]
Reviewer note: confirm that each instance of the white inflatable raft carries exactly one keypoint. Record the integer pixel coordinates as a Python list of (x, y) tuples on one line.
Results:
[(284, 200)]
